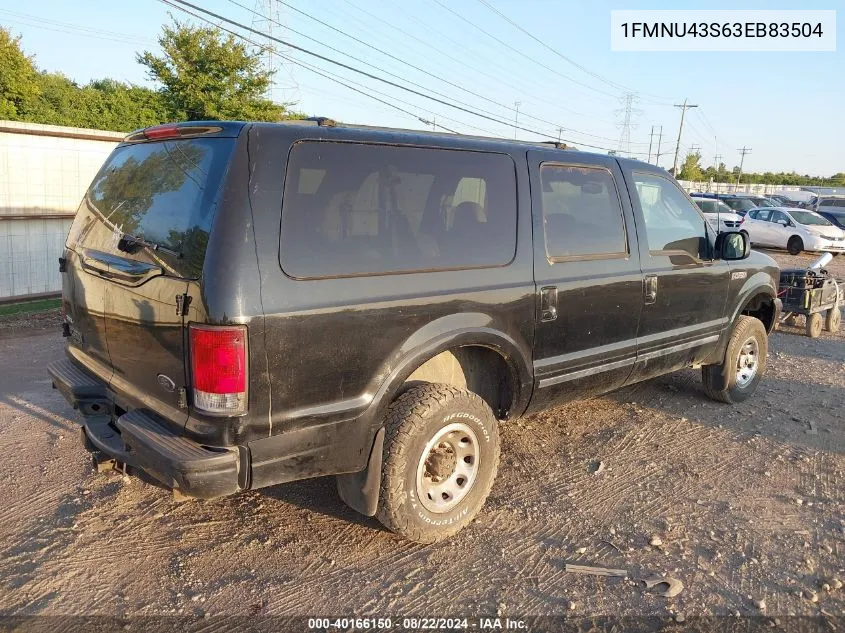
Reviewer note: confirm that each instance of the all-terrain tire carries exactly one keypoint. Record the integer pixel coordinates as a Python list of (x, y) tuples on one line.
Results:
[(833, 320), (795, 245), (815, 324), (746, 328), (413, 420)]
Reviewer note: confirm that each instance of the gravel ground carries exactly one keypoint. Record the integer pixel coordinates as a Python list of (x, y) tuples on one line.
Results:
[(744, 504)]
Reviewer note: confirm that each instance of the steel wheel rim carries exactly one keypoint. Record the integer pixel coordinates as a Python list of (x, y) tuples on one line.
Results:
[(448, 468), (748, 362)]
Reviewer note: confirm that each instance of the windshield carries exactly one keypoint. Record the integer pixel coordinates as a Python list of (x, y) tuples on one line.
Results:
[(162, 193), (764, 202), (809, 218)]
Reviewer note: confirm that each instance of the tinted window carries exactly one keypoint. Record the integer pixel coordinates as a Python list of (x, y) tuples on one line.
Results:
[(762, 214), (163, 192), (375, 209), (671, 222), (778, 216), (582, 215)]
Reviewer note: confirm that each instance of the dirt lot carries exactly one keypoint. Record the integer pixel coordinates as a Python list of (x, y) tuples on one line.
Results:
[(747, 504)]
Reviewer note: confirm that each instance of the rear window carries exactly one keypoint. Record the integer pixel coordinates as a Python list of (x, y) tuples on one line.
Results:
[(163, 193), (361, 209)]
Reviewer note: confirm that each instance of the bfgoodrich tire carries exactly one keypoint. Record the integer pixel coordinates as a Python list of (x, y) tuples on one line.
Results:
[(441, 454), (744, 363)]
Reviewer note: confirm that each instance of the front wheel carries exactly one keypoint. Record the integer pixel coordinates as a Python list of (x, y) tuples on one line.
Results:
[(743, 365), (795, 245), (441, 454)]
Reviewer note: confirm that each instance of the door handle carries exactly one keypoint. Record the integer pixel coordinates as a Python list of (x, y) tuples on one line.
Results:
[(548, 303), (650, 289)]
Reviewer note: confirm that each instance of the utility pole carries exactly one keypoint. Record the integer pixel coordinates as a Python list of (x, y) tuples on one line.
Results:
[(516, 105), (684, 107), (743, 151), (659, 141), (559, 132), (650, 141)]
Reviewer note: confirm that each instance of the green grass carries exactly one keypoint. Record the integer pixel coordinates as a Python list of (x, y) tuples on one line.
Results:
[(26, 307)]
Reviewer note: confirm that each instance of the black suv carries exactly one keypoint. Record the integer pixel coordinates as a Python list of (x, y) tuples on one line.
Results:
[(248, 304)]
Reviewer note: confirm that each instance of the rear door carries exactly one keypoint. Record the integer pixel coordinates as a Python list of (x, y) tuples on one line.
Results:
[(685, 289), (139, 235), (758, 226), (779, 229), (587, 272)]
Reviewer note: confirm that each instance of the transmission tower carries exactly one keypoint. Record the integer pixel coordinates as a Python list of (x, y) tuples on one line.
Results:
[(627, 111), (267, 19)]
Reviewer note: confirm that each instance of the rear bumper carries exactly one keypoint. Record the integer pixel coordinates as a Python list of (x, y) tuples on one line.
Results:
[(138, 440)]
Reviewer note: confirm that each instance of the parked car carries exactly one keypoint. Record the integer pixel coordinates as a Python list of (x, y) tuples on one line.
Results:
[(740, 204), (249, 304), (795, 230), (837, 217), (783, 201), (829, 203), (720, 216)]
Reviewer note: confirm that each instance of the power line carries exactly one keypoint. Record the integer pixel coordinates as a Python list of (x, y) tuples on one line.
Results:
[(240, 25), (74, 29), (438, 49), (405, 80), (612, 84), (521, 53)]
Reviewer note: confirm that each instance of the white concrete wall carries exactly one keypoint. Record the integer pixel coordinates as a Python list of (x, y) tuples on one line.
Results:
[(29, 255), (44, 172)]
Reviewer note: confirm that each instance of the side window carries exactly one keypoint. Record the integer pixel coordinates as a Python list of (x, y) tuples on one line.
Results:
[(582, 215), (777, 216), (752, 215), (672, 224), (763, 215), (353, 209)]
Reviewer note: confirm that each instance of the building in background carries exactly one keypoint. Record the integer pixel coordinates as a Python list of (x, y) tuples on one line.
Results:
[(44, 172)]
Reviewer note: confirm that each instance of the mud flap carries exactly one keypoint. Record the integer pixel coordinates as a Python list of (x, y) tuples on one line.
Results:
[(360, 490)]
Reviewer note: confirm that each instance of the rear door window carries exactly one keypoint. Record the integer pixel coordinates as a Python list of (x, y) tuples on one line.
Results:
[(582, 215), (162, 192), (370, 209)]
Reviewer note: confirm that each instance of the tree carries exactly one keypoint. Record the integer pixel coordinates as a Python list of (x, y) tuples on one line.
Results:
[(206, 75), (18, 78), (691, 169)]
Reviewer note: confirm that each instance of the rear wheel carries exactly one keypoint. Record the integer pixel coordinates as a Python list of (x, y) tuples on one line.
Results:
[(814, 324), (441, 454), (833, 320), (795, 245), (744, 363)]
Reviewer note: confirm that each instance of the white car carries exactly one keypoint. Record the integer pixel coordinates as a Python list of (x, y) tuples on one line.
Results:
[(719, 215), (795, 230)]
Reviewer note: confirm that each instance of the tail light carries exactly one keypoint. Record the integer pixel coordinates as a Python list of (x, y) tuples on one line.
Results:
[(219, 368)]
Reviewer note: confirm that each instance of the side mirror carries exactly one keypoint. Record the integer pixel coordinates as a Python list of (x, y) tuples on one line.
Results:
[(783, 222), (733, 246)]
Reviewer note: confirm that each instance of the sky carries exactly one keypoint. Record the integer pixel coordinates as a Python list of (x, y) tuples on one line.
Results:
[(786, 107)]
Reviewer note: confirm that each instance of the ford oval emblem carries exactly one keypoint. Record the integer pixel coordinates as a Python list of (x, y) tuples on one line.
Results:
[(166, 383)]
